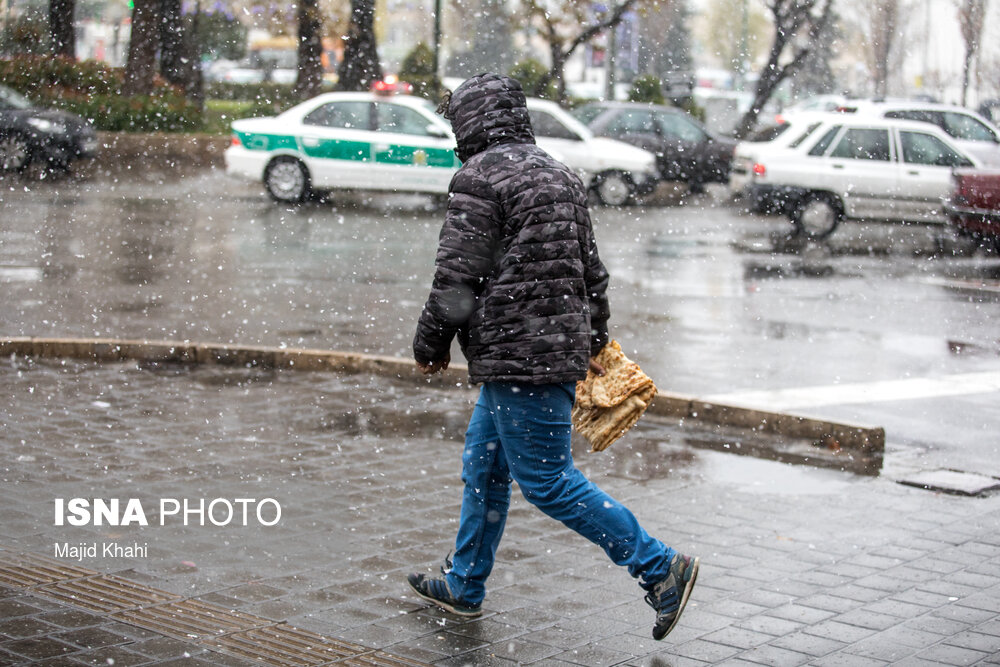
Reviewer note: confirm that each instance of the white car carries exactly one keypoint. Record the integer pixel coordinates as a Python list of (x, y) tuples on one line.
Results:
[(788, 131), (968, 130), (859, 167), (613, 170), (370, 141)]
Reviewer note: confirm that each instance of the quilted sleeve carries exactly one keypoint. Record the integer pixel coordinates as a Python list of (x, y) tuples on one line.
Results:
[(596, 278), (465, 256)]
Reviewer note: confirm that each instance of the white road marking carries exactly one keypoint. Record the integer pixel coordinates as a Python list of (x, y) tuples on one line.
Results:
[(864, 392)]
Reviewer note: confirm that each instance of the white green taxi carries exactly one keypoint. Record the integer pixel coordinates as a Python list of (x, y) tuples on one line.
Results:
[(397, 143)]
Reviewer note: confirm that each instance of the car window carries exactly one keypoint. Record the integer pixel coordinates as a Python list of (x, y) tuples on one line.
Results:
[(825, 141), (587, 113), (545, 124), (920, 148), (347, 115), (863, 144), (632, 121), (805, 135), (769, 133), (961, 126), (675, 124), (11, 100), (403, 120), (920, 115)]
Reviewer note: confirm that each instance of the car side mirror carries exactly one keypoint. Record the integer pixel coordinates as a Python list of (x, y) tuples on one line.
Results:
[(437, 131)]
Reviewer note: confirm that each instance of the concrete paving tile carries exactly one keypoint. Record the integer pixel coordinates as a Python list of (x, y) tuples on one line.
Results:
[(38, 648), (592, 656), (963, 614), (846, 660), (774, 656), (705, 650), (982, 601), (91, 637), (951, 655), (991, 627), (976, 641), (777, 627), (830, 603), (22, 627), (558, 637), (840, 632), (878, 647), (812, 645), (733, 608), (738, 637), (863, 618), (799, 613), (523, 650), (483, 657), (120, 656)]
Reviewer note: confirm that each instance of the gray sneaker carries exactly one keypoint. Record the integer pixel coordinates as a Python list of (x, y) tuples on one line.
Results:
[(436, 591), (669, 596)]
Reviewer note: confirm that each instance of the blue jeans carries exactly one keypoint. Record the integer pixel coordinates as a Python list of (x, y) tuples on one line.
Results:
[(522, 432)]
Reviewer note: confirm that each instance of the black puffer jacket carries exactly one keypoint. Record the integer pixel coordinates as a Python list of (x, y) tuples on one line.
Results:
[(518, 278)]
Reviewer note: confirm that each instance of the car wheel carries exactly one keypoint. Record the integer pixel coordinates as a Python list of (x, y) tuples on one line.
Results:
[(15, 153), (287, 180), (613, 188), (817, 215)]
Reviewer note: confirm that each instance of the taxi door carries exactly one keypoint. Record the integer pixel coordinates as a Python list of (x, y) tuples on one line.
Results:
[(336, 143), (410, 151)]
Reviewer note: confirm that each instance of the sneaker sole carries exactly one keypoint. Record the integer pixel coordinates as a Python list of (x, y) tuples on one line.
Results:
[(444, 605), (684, 598)]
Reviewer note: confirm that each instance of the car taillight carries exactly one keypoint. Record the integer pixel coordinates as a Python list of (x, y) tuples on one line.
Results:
[(759, 169), (235, 141)]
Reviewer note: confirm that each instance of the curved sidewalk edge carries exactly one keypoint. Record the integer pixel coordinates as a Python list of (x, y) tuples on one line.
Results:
[(860, 444)]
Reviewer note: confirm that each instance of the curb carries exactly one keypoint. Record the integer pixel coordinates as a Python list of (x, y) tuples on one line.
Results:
[(862, 446)]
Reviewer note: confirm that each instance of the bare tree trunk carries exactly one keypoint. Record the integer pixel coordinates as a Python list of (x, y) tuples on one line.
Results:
[(791, 18), (310, 48), (560, 52), (171, 35), (971, 16), (140, 70), (61, 30), (885, 23), (360, 67)]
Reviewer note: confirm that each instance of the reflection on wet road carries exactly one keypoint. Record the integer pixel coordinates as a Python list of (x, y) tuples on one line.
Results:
[(711, 302)]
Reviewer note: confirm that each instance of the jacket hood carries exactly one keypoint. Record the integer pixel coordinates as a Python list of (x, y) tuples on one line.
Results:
[(488, 110)]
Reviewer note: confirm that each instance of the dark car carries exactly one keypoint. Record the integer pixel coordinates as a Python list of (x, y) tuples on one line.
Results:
[(684, 149), (29, 133)]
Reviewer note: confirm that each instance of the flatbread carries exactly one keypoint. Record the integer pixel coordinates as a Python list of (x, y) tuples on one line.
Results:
[(607, 406)]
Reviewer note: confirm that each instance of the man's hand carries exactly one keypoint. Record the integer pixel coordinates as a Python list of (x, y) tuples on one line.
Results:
[(596, 368), (435, 366)]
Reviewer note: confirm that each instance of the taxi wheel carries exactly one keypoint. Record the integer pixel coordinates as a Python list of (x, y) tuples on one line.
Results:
[(287, 180), (613, 188), (817, 215)]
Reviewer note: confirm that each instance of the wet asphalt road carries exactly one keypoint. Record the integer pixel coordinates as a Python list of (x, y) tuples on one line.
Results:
[(888, 325)]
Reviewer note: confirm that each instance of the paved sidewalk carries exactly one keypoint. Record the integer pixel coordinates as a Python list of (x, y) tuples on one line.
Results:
[(800, 566)]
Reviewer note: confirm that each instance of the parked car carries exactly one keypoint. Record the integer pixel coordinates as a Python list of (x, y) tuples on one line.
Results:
[(973, 206), (613, 170), (788, 130), (684, 149), (29, 133), (391, 142), (859, 167), (969, 130)]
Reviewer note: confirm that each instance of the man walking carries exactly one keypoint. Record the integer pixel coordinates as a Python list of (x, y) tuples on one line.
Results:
[(519, 281)]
